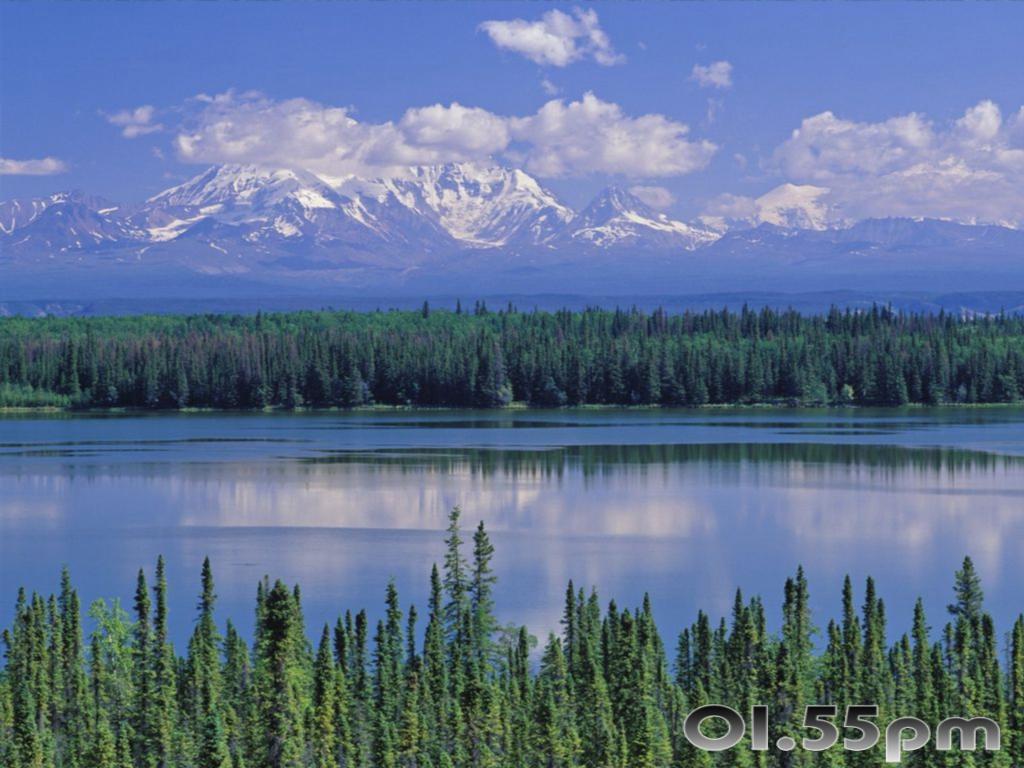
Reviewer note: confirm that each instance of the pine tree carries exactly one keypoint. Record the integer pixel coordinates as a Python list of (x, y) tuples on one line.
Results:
[(26, 741), (968, 592), (237, 695), (75, 704), (435, 672), (145, 728), (205, 684), (103, 750), (164, 713), (481, 596), (455, 581), (324, 730), (1015, 746), (556, 742), (794, 665), (279, 699)]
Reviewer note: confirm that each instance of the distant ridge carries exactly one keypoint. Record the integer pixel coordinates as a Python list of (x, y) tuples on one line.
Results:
[(250, 231)]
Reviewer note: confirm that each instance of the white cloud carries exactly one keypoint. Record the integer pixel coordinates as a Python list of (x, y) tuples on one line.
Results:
[(457, 131), (826, 147), (656, 197), (718, 74), (1015, 127), (560, 139), (557, 39), (549, 87), (971, 169), (981, 122), (44, 166), (594, 136), (135, 122), (251, 128)]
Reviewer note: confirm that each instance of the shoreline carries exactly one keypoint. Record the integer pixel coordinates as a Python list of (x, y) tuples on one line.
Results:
[(513, 407)]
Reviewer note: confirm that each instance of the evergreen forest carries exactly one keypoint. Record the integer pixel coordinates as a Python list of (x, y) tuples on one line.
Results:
[(608, 691), (486, 359)]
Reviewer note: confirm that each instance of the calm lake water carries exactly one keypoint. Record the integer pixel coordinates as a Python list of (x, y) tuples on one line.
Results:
[(687, 505)]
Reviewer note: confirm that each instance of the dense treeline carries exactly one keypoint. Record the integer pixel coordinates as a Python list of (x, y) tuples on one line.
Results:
[(489, 359), (467, 693)]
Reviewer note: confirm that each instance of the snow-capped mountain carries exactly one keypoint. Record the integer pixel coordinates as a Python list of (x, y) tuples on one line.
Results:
[(262, 203), (248, 187), (787, 206), (795, 206), (477, 206), (617, 218), (16, 214), (462, 224), (435, 209), (471, 206), (63, 221)]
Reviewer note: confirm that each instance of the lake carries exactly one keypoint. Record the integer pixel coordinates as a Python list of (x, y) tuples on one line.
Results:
[(685, 505)]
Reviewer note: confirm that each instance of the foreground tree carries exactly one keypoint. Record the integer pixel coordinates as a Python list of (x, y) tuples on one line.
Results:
[(467, 694)]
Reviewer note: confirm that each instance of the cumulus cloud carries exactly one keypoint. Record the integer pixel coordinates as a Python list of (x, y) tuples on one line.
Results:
[(981, 122), (656, 197), (594, 136), (561, 139), (971, 169), (251, 128), (459, 132), (557, 39), (135, 122), (717, 74), (44, 166)]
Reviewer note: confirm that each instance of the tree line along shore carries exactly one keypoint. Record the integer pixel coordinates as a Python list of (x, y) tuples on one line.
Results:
[(487, 359)]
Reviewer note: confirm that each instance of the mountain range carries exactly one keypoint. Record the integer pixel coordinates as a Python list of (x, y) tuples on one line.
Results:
[(243, 230), (437, 209)]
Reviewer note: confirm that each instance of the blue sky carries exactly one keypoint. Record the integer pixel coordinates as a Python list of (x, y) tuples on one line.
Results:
[(914, 109)]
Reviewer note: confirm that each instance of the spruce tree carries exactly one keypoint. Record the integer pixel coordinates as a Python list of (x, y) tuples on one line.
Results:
[(145, 729), (165, 682), (481, 594), (279, 698), (455, 581), (324, 728)]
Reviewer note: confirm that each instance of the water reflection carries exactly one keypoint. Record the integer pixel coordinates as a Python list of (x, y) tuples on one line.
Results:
[(343, 510)]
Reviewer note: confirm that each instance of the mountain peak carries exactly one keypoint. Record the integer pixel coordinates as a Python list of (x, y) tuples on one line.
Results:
[(478, 205), (17, 214), (615, 201), (618, 217), (249, 186), (796, 206), (618, 194)]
